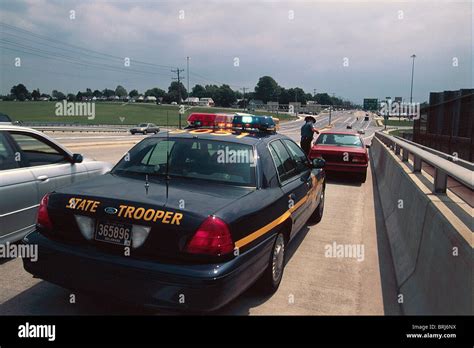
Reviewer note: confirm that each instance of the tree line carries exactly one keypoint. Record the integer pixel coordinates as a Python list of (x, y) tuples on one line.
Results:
[(266, 90)]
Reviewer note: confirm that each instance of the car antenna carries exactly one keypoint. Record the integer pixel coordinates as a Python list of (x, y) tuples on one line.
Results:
[(167, 177)]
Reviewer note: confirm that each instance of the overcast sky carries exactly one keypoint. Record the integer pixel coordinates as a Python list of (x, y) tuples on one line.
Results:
[(354, 49)]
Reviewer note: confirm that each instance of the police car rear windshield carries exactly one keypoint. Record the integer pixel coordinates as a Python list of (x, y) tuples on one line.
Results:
[(197, 159), (339, 140)]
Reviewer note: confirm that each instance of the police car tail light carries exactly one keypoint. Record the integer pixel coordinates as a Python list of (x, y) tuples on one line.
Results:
[(43, 219), (86, 226), (212, 238)]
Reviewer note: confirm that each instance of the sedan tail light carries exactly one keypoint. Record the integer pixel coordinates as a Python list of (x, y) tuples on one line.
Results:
[(211, 238), (359, 159), (43, 219)]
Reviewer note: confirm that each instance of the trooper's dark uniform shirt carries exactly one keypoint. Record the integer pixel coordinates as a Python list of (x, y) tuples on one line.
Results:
[(307, 136)]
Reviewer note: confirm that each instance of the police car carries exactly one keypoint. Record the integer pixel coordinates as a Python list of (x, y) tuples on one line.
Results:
[(188, 219)]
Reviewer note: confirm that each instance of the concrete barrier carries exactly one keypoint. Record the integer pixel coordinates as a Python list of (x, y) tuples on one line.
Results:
[(432, 257)]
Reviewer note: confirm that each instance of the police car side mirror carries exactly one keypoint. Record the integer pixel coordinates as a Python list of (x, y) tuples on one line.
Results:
[(318, 163)]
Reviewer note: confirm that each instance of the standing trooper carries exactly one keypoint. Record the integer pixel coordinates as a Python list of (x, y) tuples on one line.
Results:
[(307, 132)]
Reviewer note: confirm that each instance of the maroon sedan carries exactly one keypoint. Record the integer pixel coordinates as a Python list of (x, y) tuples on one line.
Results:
[(343, 152)]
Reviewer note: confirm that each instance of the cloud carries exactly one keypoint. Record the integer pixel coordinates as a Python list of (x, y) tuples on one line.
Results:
[(300, 43)]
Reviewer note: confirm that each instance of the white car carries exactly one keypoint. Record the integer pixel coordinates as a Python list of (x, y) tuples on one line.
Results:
[(31, 165)]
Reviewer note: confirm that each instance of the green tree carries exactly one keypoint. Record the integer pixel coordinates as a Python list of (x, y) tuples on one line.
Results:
[(58, 95), (120, 91), (133, 93), (198, 91), (36, 94), (88, 93), (108, 93), (156, 92), (224, 96), (97, 93), (323, 99), (20, 92), (267, 89), (71, 97), (211, 91), (174, 92)]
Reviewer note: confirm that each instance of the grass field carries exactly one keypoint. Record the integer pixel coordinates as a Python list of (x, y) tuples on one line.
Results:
[(111, 113)]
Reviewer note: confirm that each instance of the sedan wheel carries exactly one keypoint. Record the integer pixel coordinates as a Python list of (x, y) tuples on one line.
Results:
[(273, 274), (318, 213), (278, 259)]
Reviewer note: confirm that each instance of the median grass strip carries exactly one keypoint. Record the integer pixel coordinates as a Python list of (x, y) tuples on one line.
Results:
[(115, 113)]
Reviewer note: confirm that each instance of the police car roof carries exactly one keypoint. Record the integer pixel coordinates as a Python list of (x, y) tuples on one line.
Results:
[(251, 137)]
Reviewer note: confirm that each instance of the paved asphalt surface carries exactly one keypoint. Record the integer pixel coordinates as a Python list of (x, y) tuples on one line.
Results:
[(312, 284)]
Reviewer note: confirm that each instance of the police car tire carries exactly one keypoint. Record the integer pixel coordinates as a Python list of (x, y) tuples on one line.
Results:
[(319, 211), (267, 283)]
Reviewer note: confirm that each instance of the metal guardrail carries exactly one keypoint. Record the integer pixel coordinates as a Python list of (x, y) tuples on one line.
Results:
[(443, 167), (451, 158)]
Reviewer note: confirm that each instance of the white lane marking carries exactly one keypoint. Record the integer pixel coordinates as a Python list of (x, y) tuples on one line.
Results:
[(347, 119)]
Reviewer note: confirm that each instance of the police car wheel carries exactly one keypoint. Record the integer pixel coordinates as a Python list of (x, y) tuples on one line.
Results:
[(318, 213), (272, 277)]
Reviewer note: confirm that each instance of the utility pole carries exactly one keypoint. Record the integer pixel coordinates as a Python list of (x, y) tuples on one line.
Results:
[(243, 96), (412, 72), (330, 110), (178, 71), (187, 71)]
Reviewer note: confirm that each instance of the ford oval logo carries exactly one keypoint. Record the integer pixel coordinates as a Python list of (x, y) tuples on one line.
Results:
[(111, 210)]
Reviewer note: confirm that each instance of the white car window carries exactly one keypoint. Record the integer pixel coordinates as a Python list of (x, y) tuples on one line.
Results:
[(7, 155), (36, 152)]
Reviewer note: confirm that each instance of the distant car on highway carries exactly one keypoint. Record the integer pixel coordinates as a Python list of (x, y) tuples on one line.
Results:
[(343, 152), (349, 126), (145, 128), (5, 119), (31, 165)]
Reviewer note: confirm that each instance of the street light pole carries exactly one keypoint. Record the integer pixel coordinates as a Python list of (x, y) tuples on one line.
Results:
[(412, 73), (187, 71)]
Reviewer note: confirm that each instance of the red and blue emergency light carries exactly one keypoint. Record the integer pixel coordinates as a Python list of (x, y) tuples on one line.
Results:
[(238, 121)]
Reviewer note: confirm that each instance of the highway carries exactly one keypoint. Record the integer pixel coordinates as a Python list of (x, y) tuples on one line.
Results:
[(314, 283)]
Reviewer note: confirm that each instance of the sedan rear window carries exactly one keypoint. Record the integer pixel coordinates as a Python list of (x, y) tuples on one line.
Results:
[(339, 140), (210, 160)]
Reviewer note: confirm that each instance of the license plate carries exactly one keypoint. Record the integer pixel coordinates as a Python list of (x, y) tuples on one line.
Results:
[(113, 232)]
